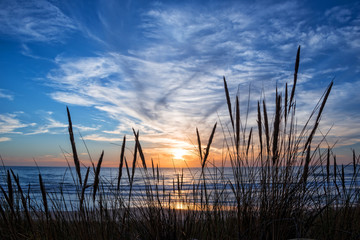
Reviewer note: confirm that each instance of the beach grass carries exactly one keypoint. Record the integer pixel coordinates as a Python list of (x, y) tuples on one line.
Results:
[(284, 185)]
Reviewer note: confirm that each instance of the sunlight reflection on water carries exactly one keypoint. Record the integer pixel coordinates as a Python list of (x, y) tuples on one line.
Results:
[(182, 187)]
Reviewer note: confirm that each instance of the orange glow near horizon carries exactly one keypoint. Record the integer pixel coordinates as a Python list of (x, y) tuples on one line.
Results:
[(162, 157)]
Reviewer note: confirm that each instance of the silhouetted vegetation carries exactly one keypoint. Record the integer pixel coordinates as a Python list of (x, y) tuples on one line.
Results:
[(283, 186)]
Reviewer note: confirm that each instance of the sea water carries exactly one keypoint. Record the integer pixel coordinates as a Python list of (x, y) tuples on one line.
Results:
[(62, 185)]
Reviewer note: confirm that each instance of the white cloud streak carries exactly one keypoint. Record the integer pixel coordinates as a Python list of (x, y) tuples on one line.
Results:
[(5, 139), (5, 95), (53, 126), (34, 21), (96, 137), (49, 127), (9, 123), (174, 83)]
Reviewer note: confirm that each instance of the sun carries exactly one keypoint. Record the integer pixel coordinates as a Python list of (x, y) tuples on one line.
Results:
[(178, 153)]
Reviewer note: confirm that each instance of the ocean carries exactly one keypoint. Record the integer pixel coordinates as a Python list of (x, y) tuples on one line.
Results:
[(180, 184)]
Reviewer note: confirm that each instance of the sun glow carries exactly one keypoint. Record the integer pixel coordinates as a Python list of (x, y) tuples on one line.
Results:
[(180, 206), (178, 153)]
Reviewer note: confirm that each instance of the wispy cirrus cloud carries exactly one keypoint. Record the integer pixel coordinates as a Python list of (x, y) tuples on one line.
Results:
[(49, 127), (34, 21), (96, 137), (69, 98), (6, 95), (52, 126), (86, 128), (5, 139), (9, 123), (147, 92), (173, 83)]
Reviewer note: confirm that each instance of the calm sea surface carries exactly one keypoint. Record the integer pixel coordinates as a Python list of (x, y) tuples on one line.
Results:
[(58, 179)]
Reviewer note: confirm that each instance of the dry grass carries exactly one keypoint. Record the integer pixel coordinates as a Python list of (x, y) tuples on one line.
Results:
[(280, 191)]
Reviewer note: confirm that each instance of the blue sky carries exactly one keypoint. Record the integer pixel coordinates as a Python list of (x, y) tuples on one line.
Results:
[(157, 66)]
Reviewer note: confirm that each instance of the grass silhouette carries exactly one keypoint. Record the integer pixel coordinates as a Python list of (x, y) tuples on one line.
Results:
[(269, 194)]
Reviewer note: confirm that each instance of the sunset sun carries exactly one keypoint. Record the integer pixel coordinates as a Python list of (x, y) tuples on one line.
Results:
[(178, 153)]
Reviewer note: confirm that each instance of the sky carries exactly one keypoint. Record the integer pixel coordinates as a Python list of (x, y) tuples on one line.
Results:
[(157, 67)]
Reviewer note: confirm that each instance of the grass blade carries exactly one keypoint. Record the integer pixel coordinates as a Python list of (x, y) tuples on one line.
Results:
[(142, 157), (72, 141), (44, 198), (228, 102), (10, 190), (266, 123), (23, 200), (97, 175), (260, 128), (208, 146), (276, 129), (297, 61), (237, 121), (199, 144), (121, 162), (248, 144), (319, 115), (82, 197)]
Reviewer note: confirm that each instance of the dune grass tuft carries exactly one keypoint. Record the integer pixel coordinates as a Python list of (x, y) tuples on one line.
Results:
[(283, 184)]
